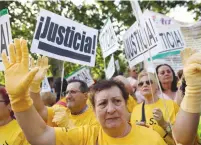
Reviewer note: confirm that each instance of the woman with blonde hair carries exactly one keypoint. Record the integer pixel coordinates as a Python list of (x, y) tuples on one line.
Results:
[(154, 112)]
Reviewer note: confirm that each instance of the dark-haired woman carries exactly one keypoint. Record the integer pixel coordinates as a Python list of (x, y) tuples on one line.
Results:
[(168, 83), (10, 131)]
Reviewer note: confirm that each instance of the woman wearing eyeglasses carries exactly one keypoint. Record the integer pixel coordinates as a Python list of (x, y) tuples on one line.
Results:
[(154, 112), (168, 83), (10, 131)]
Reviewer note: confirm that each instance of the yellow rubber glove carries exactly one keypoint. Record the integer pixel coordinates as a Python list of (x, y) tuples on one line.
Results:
[(186, 53), (42, 64), (17, 76), (192, 72)]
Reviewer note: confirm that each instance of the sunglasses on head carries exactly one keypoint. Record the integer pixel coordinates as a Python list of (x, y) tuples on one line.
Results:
[(140, 84)]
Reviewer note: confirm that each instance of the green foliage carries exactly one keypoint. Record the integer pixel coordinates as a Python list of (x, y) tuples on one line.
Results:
[(23, 22)]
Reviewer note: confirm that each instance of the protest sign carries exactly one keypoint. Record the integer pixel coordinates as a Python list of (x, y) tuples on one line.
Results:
[(140, 39), (169, 31), (108, 39), (82, 74), (45, 86), (61, 38), (5, 36), (192, 35), (110, 70)]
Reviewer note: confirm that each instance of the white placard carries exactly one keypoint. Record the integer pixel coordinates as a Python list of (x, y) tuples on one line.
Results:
[(170, 34), (192, 35), (61, 38), (82, 74), (45, 86), (110, 70), (138, 39), (5, 36), (108, 39)]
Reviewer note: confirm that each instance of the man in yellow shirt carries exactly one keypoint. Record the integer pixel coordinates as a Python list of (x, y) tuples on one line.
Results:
[(76, 113)]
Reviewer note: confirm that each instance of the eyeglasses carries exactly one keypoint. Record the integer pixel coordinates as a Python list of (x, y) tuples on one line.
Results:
[(147, 82), (70, 92)]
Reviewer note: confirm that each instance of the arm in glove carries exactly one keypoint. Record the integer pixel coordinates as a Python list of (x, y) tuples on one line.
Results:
[(17, 76), (42, 65), (192, 72), (17, 81), (185, 126)]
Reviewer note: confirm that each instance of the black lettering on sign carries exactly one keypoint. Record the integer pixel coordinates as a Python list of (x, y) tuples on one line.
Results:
[(152, 121), (133, 44), (82, 41), (66, 36), (178, 38), (137, 40), (76, 45), (162, 35), (150, 33), (87, 46), (60, 38), (71, 37), (143, 44), (3, 40), (170, 39), (68, 30)]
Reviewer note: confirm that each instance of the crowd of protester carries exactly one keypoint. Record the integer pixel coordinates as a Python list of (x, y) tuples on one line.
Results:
[(132, 110)]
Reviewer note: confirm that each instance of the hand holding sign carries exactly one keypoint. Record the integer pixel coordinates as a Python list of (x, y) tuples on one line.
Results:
[(42, 64)]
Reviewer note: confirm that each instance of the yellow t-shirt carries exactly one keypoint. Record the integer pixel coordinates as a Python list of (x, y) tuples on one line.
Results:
[(61, 117), (131, 103), (172, 110), (11, 134), (94, 135)]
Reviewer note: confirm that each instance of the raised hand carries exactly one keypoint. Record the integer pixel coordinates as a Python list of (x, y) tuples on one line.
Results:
[(17, 75), (42, 65), (192, 72)]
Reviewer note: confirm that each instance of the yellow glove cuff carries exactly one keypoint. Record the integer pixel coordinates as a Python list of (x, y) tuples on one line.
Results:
[(192, 100), (20, 104), (35, 87)]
